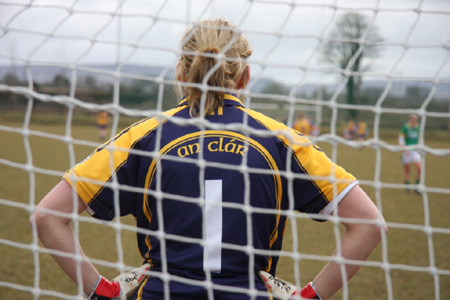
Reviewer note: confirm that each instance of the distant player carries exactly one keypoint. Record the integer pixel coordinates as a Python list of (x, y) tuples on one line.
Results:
[(305, 126), (350, 130), (315, 129), (102, 124), (361, 130), (181, 176), (408, 136)]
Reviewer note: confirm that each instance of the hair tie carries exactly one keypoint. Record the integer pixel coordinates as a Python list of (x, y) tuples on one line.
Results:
[(214, 50)]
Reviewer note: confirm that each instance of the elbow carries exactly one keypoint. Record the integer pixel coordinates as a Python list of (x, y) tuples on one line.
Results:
[(371, 230), (43, 222), (377, 225), (32, 221), (378, 230), (37, 221), (383, 227)]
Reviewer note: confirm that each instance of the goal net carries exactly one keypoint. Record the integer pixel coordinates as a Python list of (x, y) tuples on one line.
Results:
[(74, 74)]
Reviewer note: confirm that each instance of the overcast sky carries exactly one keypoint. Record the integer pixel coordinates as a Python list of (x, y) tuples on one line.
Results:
[(284, 35)]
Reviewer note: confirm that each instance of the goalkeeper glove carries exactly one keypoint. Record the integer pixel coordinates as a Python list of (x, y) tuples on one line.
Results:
[(131, 281), (281, 289), (105, 290), (125, 284)]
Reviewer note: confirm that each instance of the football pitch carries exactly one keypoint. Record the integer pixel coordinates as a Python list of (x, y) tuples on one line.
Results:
[(413, 262)]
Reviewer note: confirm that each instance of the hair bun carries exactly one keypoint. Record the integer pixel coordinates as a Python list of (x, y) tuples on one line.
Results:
[(210, 50)]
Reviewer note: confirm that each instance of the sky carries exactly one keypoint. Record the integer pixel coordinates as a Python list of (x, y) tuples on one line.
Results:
[(285, 34)]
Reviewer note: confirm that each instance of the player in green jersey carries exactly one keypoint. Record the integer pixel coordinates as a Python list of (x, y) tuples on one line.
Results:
[(410, 136)]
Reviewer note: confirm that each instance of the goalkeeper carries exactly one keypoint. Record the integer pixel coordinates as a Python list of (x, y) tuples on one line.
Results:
[(189, 175)]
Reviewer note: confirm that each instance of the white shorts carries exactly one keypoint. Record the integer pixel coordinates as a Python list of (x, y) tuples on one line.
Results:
[(409, 157)]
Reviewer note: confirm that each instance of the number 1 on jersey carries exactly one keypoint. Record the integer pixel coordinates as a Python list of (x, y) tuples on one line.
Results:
[(212, 252)]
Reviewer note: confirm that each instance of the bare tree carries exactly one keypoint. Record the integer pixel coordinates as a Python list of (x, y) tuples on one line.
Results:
[(350, 41)]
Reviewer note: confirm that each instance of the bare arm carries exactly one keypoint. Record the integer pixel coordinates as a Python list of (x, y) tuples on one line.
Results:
[(357, 243), (56, 233)]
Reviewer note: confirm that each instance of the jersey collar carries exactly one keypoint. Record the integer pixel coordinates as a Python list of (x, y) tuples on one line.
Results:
[(228, 100)]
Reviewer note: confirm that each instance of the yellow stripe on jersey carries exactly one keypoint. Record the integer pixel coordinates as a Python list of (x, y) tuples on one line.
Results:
[(141, 288), (109, 157), (312, 160), (231, 97)]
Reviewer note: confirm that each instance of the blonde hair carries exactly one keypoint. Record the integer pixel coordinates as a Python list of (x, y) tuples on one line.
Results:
[(214, 52)]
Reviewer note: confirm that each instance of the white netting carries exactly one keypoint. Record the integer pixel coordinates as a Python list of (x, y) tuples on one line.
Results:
[(63, 61)]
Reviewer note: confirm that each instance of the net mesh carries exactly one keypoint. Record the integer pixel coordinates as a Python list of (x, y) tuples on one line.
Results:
[(63, 61)]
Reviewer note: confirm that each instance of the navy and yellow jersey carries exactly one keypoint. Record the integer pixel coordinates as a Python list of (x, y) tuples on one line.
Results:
[(226, 182), (102, 118), (303, 125), (361, 129)]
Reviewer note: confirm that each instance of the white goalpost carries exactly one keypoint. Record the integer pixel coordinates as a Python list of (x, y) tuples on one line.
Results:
[(63, 62)]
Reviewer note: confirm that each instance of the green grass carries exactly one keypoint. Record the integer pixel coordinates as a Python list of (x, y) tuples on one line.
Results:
[(406, 248)]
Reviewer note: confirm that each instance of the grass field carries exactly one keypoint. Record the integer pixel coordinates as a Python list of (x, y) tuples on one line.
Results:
[(408, 248)]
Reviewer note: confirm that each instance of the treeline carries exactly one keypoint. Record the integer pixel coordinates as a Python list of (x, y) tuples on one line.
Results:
[(413, 97), (139, 94), (143, 94)]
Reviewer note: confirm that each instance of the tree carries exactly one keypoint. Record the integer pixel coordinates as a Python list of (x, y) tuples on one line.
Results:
[(11, 79), (275, 88), (61, 80), (91, 82), (350, 41)]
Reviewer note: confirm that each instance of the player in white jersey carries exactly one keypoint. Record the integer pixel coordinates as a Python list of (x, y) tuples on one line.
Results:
[(181, 174)]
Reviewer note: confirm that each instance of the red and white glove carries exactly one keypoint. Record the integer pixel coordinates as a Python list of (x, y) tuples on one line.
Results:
[(105, 290), (281, 289), (125, 284), (307, 292)]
